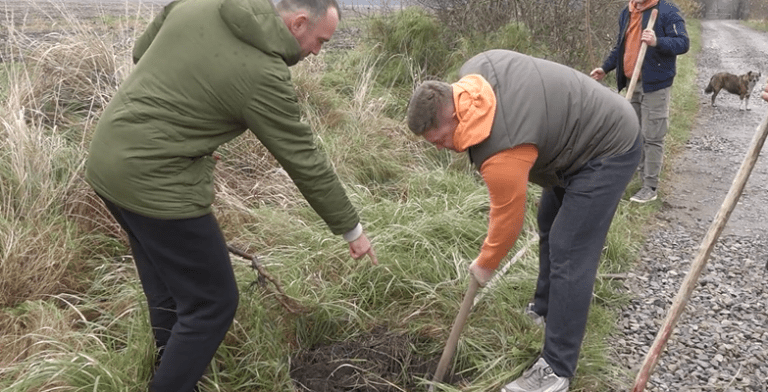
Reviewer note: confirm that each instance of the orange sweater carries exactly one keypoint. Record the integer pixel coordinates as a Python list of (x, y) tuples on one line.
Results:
[(634, 33), (506, 175)]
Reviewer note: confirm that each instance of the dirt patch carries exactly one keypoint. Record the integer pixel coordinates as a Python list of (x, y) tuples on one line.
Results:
[(376, 362)]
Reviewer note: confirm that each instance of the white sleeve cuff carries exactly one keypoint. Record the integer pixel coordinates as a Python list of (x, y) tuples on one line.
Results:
[(354, 234)]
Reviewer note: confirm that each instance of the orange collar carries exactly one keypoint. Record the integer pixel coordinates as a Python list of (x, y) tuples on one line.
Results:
[(634, 6), (475, 104)]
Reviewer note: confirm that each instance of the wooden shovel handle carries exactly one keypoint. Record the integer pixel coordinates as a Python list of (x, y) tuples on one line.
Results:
[(705, 249), (458, 326), (640, 57)]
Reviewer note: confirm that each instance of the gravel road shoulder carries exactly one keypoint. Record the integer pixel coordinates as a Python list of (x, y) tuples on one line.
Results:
[(721, 339)]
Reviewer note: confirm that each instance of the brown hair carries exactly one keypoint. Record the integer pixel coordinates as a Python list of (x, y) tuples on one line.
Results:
[(427, 101), (316, 8)]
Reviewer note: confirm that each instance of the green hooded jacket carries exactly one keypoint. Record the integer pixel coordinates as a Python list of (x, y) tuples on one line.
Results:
[(207, 70)]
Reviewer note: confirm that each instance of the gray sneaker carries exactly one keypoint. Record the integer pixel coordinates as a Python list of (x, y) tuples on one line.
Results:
[(535, 317), (539, 378), (644, 195)]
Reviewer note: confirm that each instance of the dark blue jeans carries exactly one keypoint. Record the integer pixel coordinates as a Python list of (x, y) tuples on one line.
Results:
[(191, 291), (573, 222)]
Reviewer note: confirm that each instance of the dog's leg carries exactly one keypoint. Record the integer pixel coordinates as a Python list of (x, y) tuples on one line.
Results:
[(714, 95)]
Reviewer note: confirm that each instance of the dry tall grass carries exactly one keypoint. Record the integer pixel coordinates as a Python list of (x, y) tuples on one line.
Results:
[(57, 83), (54, 85)]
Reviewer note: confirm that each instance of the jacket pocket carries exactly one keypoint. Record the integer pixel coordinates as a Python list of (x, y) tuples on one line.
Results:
[(198, 181), (658, 103)]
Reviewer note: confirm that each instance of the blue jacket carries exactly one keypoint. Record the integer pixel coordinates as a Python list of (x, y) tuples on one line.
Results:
[(659, 65)]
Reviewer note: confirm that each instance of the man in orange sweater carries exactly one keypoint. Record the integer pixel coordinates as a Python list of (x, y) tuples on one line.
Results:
[(651, 97), (523, 119)]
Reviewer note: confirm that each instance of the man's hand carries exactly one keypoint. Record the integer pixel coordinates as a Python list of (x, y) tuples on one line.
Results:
[(361, 247), (649, 37), (482, 275), (597, 74), (765, 93)]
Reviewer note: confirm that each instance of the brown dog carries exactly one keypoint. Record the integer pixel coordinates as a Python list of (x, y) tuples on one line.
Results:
[(740, 85)]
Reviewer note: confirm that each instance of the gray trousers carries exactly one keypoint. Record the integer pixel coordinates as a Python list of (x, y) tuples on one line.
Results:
[(573, 222), (653, 112)]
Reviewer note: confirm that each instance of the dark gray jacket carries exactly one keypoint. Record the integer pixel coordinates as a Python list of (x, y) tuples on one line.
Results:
[(571, 118)]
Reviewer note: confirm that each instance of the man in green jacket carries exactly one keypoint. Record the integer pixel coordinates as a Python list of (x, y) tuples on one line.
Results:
[(207, 70)]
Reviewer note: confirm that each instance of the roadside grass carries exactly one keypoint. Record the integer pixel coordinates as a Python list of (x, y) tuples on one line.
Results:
[(72, 313), (685, 98), (757, 24)]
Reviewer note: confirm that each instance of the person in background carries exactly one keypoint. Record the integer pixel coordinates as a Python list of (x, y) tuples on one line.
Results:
[(207, 70), (765, 93), (651, 97), (523, 119)]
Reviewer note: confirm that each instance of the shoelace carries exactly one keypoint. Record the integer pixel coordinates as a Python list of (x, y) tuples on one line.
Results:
[(542, 373)]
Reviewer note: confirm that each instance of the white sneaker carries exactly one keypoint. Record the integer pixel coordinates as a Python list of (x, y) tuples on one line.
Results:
[(644, 195), (539, 378)]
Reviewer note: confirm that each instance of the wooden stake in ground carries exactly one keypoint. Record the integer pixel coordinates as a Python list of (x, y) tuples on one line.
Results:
[(640, 57), (717, 226)]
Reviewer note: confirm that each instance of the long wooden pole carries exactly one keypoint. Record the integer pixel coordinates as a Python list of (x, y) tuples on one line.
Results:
[(640, 57), (458, 325), (689, 283), (503, 270)]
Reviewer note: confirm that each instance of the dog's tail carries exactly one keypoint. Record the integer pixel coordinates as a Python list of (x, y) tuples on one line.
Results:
[(710, 88)]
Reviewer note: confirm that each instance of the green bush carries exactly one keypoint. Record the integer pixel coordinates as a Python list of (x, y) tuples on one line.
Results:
[(513, 36), (411, 46)]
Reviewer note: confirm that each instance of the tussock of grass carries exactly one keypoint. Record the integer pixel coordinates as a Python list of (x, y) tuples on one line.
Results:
[(70, 342), (34, 240), (411, 40)]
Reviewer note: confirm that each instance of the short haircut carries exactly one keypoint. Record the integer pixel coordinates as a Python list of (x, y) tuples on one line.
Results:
[(316, 8), (426, 105)]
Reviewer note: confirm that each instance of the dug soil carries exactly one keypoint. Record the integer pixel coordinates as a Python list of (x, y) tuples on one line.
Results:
[(377, 362)]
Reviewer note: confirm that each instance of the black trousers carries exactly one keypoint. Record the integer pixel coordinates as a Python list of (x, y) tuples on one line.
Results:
[(191, 291), (573, 223)]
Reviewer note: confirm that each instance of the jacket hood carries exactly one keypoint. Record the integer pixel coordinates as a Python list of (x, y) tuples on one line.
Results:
[(256, 23)]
